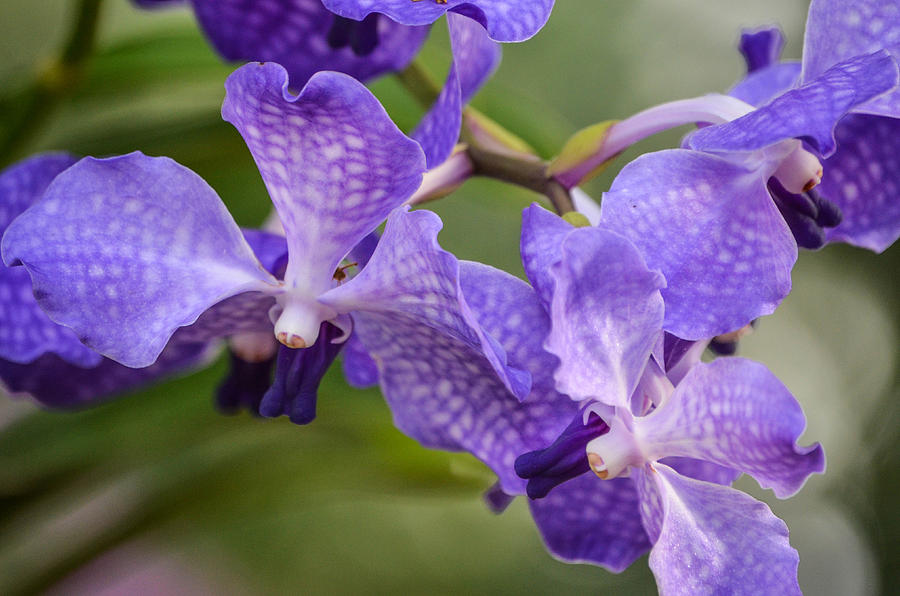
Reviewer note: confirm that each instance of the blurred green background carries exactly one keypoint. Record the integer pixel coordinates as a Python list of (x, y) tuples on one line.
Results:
[(158, 493)]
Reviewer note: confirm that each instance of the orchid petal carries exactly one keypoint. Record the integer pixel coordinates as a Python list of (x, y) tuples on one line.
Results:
[(587, 520), (607, 314), (863, 179), (412, 277), (710, 226), (762, 86), (294, 33), (25, 330), (837, 30), (809, 112), (125, 250), (715, 540), (505, 20), (56, 383), (325, 154), (542, 234), (735, 413)]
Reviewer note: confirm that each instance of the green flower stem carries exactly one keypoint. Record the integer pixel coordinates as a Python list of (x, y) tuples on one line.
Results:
[(53, 82)]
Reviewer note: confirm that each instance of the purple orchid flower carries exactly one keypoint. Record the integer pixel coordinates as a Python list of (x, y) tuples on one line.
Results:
[(722, 218), (143, 247), (44, 360), (504, 20), (304, 37), (664, 431)]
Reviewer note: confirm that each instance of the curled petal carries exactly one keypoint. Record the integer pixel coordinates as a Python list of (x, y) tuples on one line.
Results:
[(333, 161), (735, 413), (837, 30), (125, 250), (711, 227), (475, 57), (294, 33), (713, 539), (809, 112), (504, 20), (607, 314)]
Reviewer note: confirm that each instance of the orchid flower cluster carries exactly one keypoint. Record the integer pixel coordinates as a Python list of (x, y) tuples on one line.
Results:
[(583, 388)]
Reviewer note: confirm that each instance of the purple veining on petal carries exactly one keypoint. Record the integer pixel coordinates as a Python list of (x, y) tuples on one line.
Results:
[(761, 47), (702, 470), (359, 368), (715, 540), (56, 383), (328, 152), (25, 330), (411, 275), (711, 227), (295, 34), (607, 314), (542, 234), (809, 112), (837, 30), (735, 413), (588, 520), (504, 20), (863, 179), (447, 395), (125, 250)]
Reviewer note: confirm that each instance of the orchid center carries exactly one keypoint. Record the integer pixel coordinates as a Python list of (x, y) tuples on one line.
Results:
[(800, 171), (611, 454), (297, 319)]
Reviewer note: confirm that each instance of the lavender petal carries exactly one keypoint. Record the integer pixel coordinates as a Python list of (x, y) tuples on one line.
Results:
[(837, 30), (809, 112), (715, 540), (542, 234), (294, 33), (328, 152), (762, 86), (588, 520), (735, 413), (504, 20), (125, 250), (863, 179), (710, 226)]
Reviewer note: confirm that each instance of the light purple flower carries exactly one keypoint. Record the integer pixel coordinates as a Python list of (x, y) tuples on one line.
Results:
[(722, 218), (304, 37), (141, 247), (40, 358), (665, 436), (504, 20)]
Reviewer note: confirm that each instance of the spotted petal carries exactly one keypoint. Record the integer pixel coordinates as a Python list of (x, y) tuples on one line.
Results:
[(411, 277), (295, 34), (713, 539), (333, 161), (710, 226), (542, 234), (25, 331), (735, 413), (475, 57), (448, 395), (837, 30), (588, 520), (809, 112), (863, 179), (607, 314), (505, 20), (125, 250)]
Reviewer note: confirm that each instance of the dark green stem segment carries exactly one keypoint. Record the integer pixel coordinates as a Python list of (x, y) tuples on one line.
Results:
[(55, 81), (527, 172), (419, 83)]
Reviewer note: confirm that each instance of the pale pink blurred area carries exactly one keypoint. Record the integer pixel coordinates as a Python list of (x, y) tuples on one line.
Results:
[(143, 568)]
